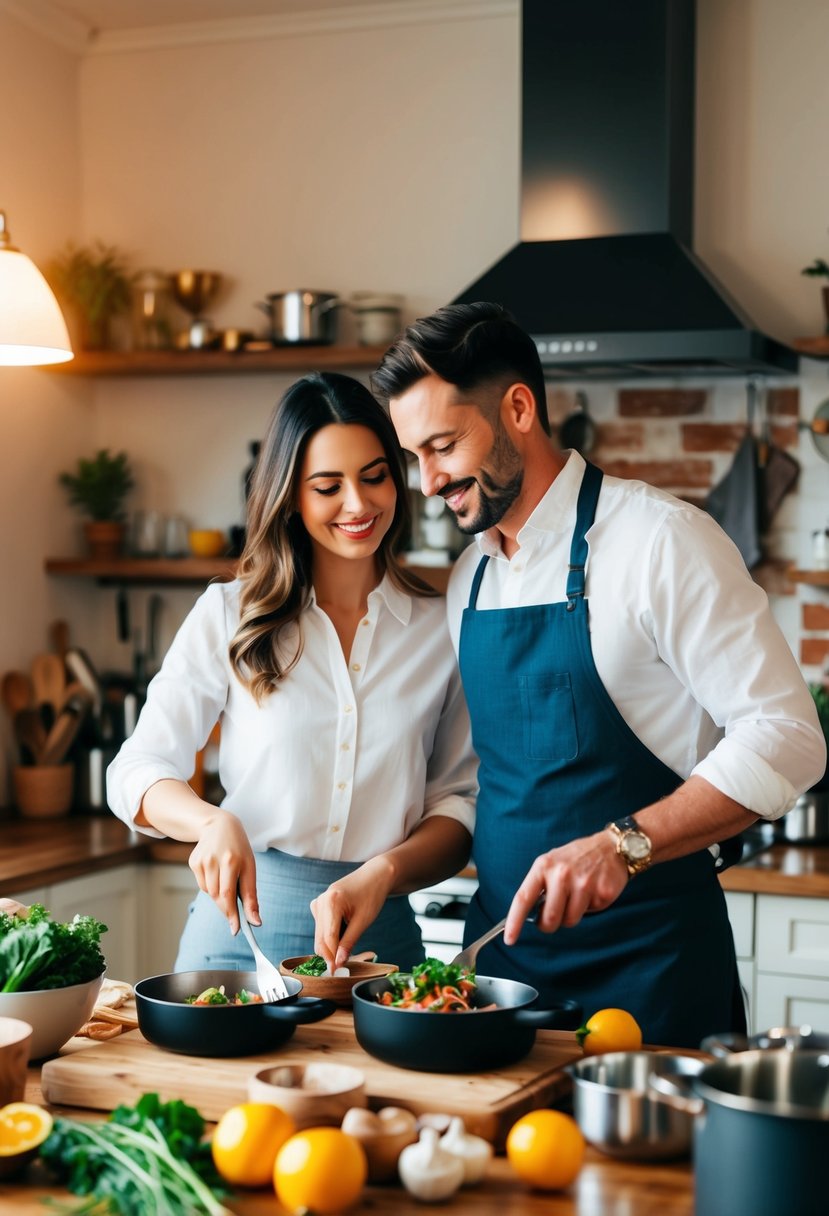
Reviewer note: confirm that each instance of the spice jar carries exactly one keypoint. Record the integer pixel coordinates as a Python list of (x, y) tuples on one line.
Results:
[(151, 302)]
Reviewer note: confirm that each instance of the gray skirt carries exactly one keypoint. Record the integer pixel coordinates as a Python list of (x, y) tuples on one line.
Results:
[(286, 886)]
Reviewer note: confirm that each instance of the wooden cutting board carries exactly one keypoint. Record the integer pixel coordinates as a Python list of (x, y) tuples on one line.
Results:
[(102, 1075)]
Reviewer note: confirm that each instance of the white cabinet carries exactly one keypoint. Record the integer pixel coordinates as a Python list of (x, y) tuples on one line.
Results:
[(169, 890), (792, 962), (741, 914)]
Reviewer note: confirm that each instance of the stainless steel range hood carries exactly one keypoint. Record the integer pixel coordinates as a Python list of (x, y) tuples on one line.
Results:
[(604, 277)]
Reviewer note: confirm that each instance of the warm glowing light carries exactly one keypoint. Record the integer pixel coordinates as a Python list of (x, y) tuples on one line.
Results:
[(32, 328), (564, 209)]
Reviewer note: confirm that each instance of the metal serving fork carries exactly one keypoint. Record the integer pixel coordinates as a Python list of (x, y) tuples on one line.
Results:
[(272, 986), (467, 957)]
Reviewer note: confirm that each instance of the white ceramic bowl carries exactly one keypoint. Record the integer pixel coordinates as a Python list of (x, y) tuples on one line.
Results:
[(54, 1014)]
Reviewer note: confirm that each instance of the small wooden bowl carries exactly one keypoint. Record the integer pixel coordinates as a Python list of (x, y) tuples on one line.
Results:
[(336, 988), (314, 1095)]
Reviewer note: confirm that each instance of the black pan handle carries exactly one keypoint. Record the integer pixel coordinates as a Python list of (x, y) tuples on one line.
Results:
[(303, 1010), (563, 1015)]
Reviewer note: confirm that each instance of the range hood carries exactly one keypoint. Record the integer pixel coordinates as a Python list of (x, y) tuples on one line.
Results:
[(604, 276)]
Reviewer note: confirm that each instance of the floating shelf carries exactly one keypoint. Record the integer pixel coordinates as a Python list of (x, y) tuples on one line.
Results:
[(815, 578), (297, 358), (815, 348)]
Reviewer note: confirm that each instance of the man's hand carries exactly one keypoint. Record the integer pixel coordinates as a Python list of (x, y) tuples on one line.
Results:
[(222, 861), (586, 875)]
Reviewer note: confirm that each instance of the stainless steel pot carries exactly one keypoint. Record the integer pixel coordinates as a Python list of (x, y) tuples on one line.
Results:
[(807, 821), (792, 1038), (761, 1132), (301, 316), (621, 1115)]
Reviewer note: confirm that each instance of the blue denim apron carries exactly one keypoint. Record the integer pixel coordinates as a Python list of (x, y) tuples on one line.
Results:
[(286, 885), (557, 762)]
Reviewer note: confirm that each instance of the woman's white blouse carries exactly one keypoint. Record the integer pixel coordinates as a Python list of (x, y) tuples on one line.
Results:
[(683, 640), (343, 759)]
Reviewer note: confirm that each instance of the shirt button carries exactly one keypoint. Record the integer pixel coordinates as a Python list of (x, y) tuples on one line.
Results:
[(355, 666), (518, 567), (334, 829), (340, 785), (347, 709), (345, 747), (365, 622)]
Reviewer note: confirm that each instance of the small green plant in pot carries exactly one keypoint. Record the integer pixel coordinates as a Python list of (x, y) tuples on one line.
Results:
[(96, 284), (99, 487)]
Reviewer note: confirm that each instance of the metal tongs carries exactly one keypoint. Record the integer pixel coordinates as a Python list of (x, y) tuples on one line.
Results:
[(467, 957)]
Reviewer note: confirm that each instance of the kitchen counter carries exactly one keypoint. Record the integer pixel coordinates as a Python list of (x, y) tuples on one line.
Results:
[(604, 1187), (36, 852)]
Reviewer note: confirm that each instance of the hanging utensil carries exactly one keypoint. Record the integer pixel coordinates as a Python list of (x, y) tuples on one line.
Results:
[(578, 430), (818, 428)]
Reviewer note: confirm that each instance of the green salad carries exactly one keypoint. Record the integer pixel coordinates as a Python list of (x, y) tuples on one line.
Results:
[(37, 952)]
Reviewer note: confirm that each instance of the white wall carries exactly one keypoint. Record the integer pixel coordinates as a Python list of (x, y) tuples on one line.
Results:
[(381, 158)]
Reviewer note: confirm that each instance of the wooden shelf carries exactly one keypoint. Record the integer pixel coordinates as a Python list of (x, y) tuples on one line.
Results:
[(298, 358), (815, 348), (815, 578), (183, 570)]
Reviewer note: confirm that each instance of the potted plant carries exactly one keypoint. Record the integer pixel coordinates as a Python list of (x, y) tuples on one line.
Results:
[(98, 487), (820, 269), (96, 285)]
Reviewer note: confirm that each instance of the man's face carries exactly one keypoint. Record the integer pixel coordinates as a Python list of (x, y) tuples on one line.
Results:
[(464, 458)]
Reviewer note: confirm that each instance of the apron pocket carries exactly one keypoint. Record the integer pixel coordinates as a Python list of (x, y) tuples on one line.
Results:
[(549, 717)]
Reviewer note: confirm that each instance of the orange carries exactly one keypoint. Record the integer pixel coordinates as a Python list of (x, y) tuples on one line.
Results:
[(546, 1149), (246, 1141), (23, 1128), (320, 1170), (609, 1030)]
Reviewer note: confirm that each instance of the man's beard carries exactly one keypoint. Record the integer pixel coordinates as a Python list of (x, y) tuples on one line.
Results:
[(497, 491)]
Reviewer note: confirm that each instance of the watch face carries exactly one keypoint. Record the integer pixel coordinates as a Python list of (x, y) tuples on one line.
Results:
[(636, 847)]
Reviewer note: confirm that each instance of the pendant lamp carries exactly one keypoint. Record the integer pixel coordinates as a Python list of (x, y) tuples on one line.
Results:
[(32, 328)]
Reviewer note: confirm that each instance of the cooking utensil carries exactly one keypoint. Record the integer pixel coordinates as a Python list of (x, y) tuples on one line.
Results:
[(578, 430), (67, 724), (82, 668), (808, 820), (467, 957), (17, 692), (791, 1038), (621, 1115), (269, 979), (30, 734), (819, 429), (165, 1019), (457, 1042), (59, 637), (761, 1132), (48, 680), (301, 316)]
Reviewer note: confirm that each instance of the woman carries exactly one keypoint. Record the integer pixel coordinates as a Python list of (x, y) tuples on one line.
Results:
[(345, 751)]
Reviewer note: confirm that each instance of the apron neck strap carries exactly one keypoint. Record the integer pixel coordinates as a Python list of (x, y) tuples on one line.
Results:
[(476, 581), (585, 513)]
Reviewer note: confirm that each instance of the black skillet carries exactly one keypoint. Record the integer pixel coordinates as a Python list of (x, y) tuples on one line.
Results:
[(165, 1019), (457, 1042)]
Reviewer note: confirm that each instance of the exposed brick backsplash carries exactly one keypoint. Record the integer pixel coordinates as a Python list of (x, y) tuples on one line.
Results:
[(661, 402), (665, 474), (813, 651), (783, 401), (815, 616), (711, 436)]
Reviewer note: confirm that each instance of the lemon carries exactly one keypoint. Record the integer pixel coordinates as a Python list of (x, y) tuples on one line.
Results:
[(23, 1128), (246, 1141), (546, 1149), (321, 1170)]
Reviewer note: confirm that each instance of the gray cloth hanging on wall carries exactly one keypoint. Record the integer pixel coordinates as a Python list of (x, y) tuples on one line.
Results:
[(735, 501)]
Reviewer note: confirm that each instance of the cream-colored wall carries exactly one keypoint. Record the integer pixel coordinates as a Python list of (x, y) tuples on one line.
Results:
[(43, 425), (375, 158)]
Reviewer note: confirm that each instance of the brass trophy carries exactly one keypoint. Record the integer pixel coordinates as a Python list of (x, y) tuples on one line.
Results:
[(193, 290)]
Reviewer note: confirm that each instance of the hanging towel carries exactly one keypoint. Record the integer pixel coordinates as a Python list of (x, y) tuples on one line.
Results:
[(735, 501)]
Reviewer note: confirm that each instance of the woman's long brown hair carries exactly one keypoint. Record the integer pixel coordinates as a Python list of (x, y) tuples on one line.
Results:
[(275, 567)]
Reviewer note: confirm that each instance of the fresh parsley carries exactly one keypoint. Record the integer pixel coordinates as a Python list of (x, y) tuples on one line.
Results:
[(37, 952)]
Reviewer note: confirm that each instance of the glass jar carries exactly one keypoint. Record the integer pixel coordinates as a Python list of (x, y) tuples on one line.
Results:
[(151, 304)]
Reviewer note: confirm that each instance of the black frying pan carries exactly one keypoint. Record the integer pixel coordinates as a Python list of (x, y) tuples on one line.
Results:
[(166, 1020), (457, 1042)]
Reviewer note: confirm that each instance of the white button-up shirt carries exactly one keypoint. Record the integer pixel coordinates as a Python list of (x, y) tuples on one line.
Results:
[(344, 758), (683, 640)]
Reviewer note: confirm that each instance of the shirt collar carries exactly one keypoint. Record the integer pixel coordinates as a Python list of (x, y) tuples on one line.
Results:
[(398, 602), (552, 514)]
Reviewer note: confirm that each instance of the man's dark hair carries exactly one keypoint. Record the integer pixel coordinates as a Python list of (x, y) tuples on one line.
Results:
[(471, 346)]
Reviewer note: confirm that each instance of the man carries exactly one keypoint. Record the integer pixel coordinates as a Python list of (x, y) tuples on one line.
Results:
[(632, 700)]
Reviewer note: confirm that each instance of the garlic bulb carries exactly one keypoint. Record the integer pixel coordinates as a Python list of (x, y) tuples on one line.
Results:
[(472, 1151), (427, 1171), (383, 1136)]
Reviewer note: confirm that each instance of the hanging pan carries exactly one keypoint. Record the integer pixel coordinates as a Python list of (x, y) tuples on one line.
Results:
[(819, 429), (578, 430)]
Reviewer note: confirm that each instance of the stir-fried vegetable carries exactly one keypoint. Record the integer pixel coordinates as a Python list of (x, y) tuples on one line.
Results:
[(432, 986), (218, 996), (147, 1158), (37, 952)]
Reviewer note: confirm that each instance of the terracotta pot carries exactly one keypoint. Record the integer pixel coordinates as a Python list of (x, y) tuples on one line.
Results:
[(43, 791), (104, 538)]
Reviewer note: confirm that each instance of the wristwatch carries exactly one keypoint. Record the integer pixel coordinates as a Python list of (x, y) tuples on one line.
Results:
[(632, 845)]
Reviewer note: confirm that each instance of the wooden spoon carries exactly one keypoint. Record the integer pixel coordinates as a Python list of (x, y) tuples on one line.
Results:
[(17, 692), (30, 734), (49, 680)]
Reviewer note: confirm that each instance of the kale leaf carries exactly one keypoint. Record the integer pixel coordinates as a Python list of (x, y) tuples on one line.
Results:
[(37, 952)]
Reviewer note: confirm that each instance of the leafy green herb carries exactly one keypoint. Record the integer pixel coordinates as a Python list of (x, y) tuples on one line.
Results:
[(315, 965), (147, 1158), (37, 952), (424, 977)]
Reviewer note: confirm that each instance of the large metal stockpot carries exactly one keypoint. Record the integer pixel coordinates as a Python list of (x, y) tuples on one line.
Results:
[(301, 316), (808, 820), (761, 1136)]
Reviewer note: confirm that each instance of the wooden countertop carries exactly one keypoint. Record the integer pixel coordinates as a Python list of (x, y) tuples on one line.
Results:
[(604, 1187), (35, 852)]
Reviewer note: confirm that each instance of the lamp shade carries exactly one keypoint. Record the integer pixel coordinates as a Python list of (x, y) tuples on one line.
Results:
[(32, 328)]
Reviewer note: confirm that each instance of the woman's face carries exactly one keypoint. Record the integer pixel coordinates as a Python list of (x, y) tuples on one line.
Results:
[(346, 495)]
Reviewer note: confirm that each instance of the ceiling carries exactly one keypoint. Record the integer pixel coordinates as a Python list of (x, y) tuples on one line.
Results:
[(103, 16)]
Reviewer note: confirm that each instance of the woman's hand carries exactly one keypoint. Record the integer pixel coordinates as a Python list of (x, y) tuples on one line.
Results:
[(347, 908), (223, 864)]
